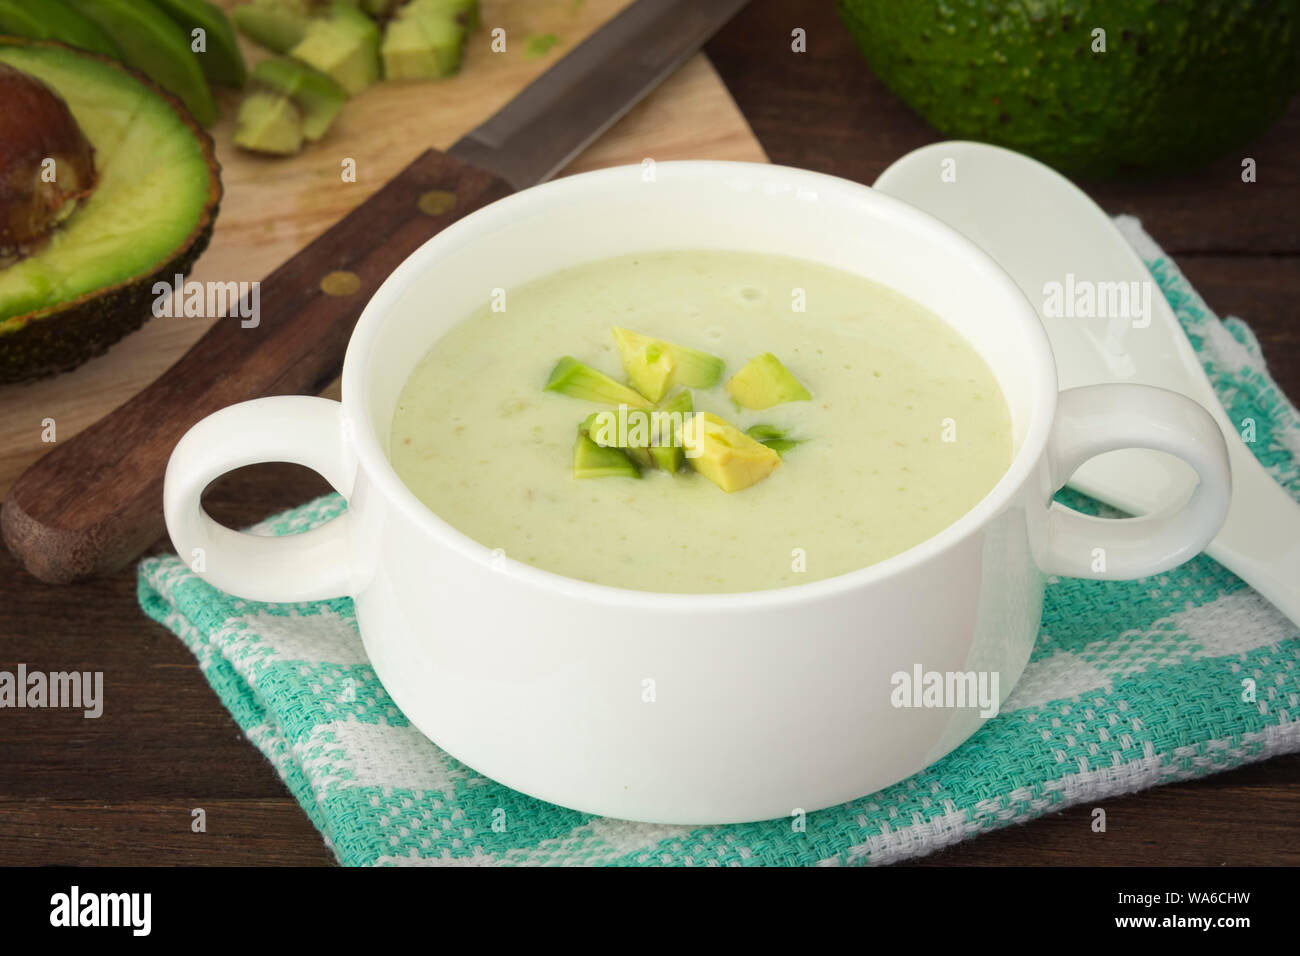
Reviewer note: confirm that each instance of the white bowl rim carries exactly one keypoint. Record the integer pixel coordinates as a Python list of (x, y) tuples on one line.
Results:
[(379, 469)]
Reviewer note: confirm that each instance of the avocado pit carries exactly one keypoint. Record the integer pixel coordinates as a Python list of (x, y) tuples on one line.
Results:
[(47, 165)]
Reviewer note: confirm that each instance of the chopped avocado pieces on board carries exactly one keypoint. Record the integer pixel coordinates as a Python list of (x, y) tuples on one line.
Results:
[(269, 123), (421, 50), (349, 43), (765, 382), (317, 96), (727, 456), (573, 378), (424, 40), (592, 461), (464, 12), (278, 25), (343, 44)]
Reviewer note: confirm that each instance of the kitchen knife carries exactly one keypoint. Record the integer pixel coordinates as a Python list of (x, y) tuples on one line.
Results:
[(94, 503)]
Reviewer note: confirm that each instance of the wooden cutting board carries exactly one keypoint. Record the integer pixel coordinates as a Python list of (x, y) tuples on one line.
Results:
[(274, 207)]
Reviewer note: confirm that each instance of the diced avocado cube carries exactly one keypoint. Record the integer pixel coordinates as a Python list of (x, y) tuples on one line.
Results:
[(649, 363), (463, 12), (690, 367), (343, 44), (573, 378), (420, 49), (651, 438), (696, 369), (727, 456), (276, 25), (592, 461), (670, 456), (318, 97), (378, 8), (609, 428), (765, 382), (268, 123)]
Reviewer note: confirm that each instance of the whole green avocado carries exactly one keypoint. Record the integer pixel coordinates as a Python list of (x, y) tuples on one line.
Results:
[(1179, 82)]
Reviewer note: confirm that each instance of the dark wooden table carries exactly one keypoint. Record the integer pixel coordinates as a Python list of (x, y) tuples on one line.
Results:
[(120, 789)]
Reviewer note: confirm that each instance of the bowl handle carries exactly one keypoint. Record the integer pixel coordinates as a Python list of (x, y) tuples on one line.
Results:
[(1100, 418), (290, 428)]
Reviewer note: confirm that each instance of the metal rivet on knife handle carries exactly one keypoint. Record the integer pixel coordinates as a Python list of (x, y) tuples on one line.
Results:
[(340, 283), (436, 202)]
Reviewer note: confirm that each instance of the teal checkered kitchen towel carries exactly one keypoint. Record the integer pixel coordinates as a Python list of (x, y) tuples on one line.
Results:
[(1132, 684)]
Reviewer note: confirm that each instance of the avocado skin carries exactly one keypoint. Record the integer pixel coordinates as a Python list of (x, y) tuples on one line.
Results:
[(78, 331), (1182, 81), (63, 336)]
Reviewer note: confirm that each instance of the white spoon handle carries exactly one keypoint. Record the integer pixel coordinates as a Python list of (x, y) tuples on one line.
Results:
[(1042, 229), (1260, 540)]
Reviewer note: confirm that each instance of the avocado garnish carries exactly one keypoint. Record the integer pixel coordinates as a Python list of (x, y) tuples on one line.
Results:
[(663, 364), (764, 382), (595, 461), (649, 431), (773, 437), (727, 456), (573, 378), (652, 438), (668, 456), (649, 363)]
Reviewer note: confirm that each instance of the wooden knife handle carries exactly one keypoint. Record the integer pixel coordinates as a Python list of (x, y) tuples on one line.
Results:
[(94, 503)]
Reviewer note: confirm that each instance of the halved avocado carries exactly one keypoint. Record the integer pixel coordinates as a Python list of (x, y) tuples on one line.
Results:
[(157, 191)]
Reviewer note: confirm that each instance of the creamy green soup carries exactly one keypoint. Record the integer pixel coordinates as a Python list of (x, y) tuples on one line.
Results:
[(906, 429)]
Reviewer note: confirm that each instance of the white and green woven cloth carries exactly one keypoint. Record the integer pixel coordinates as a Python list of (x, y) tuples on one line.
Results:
[(1132, 684)]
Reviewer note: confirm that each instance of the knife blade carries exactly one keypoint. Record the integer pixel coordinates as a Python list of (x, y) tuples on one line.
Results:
[(94, 503), (557, 116)]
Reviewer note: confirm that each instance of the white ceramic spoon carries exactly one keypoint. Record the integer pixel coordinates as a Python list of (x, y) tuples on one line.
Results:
[(1040, 227)]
